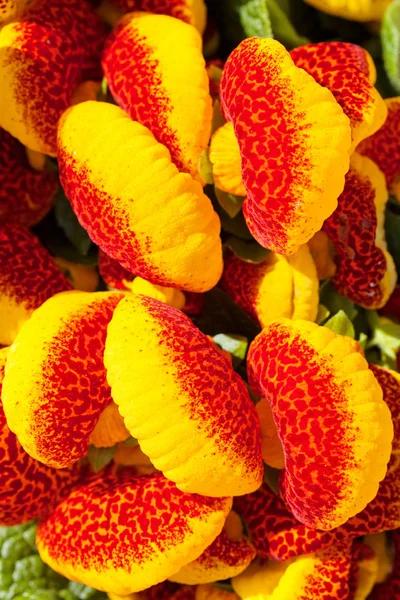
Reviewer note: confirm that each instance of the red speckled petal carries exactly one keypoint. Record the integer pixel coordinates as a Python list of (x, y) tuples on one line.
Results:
[(28, 277), (365, 270), (223, 559), (190, 11), (155, 221), (55, 385), (275, 532), (320, 576), (294, 141), (26, 195), (43, 57), (114, 274), (384, 146), (326, 403), (182, 400), (348, 71), (136, 531), (148, 61), (28, 488)]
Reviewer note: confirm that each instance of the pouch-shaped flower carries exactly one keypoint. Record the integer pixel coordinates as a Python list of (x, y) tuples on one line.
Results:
[(29, 489), (277, 287), (366, 272), (55, 385), (229, 554), (328, 407), (384, 147), (155, 221), (156, 72), (122, 533), (54, 46), (348, 71), (28, 277), (26, 195), (323, 575), (294, 142), (182, 400)]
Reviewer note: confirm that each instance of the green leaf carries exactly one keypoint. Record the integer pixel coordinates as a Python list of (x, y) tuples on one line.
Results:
[(248, 251), (131, 441), (220, 313), (392, 228), (69, 223), (362, 340), (236, 345), (231, 204), (236, 227), (239, 19), (322, 315), (385, 336), (282, 28), (254, 18), (390, 36), (100, 457), (341, 324), (271, 478), (205, 167), (335, 302)]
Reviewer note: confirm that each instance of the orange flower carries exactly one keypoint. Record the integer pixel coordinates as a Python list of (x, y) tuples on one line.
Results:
[(28, 488), (11, 10), (149, 61), (348, 71), (328, 408), (121, 533), (43, 57), (277, 287), (384, 148), (366, 272), (182, 400), (28, 277), (26, 195), (55, 385), (135, 223), (294, 141)]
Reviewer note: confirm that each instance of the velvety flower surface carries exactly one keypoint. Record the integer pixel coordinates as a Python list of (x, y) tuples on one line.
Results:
[(135, 223), (294, 141), (182, 400), (136, 532), (55, 385), (326, 402)]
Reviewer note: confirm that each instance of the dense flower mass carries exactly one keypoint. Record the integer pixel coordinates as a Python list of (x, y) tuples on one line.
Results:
[(199, 300)]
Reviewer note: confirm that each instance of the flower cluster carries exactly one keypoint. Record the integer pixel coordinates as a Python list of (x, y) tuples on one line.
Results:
[(159, 461)]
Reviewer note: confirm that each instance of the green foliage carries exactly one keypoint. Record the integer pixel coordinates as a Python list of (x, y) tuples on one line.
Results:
[(282, 27), (384, 341), (69, 223), (24, 576), (249, 251), (100, 457), (231, 204), (235, 344), (341, 324), (390, 36), (392, 227), (335, 302), (205, 167), (220, 313)]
